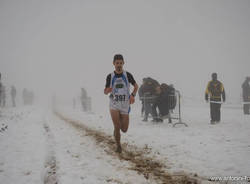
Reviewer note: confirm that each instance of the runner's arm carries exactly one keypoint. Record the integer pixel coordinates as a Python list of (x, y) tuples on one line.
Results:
[(207, 92), (135, 89), (132, 96), (133, 82), (107, 89)]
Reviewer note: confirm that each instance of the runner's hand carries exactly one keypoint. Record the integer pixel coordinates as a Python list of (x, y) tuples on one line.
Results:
[(131, 99), (107, 91)]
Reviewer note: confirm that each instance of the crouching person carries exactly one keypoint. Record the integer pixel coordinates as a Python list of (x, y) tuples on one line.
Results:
[(163, 102)]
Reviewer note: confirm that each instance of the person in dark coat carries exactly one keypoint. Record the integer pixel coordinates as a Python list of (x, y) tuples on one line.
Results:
[(141, 94), (246, 95), (215, 90), (164, 102), (147, 93)]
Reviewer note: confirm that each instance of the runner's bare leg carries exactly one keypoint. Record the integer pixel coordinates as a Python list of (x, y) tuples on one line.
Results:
[(124, 122), (115, 115)]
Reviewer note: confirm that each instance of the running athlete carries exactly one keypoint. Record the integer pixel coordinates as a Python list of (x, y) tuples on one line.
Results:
[(118, 85)]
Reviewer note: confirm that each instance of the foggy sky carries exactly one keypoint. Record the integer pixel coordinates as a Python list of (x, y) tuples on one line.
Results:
[(61, 46)]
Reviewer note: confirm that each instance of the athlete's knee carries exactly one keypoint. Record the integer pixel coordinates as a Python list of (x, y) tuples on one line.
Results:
[(124, 129)]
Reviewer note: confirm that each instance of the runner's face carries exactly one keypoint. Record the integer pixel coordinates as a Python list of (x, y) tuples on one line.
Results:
[(118, 65)]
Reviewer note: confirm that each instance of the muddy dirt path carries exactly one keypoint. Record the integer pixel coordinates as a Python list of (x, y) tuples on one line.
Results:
[(50, 176), (139, 158)]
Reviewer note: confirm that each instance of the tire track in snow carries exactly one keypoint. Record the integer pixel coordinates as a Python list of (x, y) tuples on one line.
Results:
[(143, 164)]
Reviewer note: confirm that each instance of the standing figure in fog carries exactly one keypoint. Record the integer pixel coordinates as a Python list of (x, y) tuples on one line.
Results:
[(1, 86), (215, 90), (118, 85), (84, 99), (3, 96), (246, 95), (24, 95), (13, 96)]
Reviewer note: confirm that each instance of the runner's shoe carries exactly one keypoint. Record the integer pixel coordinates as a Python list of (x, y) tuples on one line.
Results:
[(118, 149)]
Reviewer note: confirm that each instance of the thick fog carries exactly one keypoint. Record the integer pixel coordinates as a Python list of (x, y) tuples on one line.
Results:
[(57, 47)]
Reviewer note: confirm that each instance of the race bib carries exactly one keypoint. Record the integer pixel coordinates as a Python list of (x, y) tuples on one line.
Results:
[(120, 97)]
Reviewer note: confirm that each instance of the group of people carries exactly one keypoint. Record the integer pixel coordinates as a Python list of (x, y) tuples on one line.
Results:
[(215, 94), (28, 96), (157, 99), (155, 95)]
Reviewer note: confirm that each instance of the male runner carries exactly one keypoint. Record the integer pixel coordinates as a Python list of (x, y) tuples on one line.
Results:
[(117, 83)]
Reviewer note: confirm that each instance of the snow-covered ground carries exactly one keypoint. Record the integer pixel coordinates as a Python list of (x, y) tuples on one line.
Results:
[(80, 160), (23, 146), (36, 138), (208, 150)]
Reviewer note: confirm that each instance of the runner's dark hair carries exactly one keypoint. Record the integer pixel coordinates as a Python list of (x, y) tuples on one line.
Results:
[(118, 57)]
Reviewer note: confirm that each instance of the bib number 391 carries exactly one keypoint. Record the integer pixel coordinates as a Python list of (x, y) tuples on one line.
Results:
[(120, 97)]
